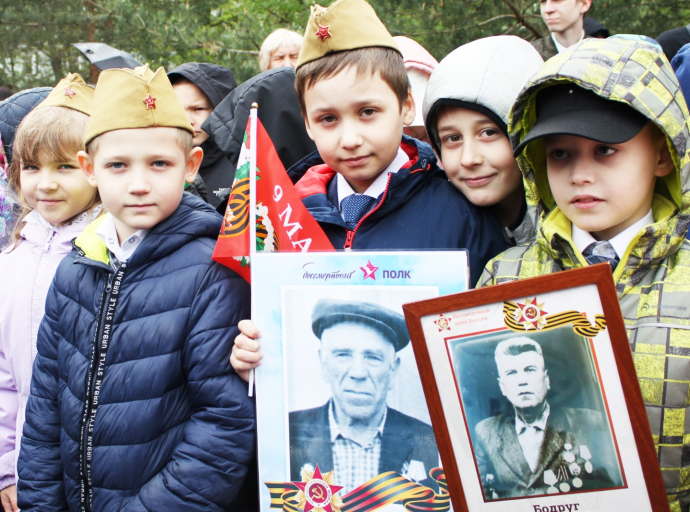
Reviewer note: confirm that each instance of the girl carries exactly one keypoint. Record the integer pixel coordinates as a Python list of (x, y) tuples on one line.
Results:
[(57, 204)]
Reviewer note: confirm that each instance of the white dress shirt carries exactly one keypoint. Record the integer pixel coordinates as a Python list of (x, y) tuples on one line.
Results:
[(107, 232), (562, 48), (531, 436), (620, 242), (379, 184)]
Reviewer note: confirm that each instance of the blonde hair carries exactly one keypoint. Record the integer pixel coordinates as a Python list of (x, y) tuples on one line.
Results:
[(53, 134), (277, 38)]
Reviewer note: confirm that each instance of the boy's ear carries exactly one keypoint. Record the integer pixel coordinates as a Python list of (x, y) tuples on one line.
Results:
[(196, 155), (664, 163), (87, 166), (409, 109)]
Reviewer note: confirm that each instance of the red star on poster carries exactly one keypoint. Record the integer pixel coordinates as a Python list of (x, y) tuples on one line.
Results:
[(69, 92), (318, 493), (369, 271), (150, 102), (442, 323), (530, 314), (323, 32)]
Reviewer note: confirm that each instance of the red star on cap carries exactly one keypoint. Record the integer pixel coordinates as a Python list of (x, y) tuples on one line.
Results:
[(69, 92), (150, 102), (323, 32)]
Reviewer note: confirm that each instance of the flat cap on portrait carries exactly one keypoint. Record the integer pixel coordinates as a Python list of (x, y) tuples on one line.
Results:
[(330, 312)]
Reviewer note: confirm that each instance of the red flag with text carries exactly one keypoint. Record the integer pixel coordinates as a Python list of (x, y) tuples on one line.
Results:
[(282, 221)]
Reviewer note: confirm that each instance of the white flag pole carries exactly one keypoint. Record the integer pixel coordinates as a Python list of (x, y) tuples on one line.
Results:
[(252, 207)]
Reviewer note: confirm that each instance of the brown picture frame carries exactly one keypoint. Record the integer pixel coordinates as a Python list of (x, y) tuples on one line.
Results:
[(598, 275)]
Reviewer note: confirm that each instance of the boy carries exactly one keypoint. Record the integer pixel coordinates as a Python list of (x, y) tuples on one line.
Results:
[(565, 20), (466, 109), (201, 87), (131, 406), (368, 186), (602, 133)]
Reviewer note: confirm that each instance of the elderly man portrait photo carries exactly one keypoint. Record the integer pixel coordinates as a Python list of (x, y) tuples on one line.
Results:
[(355, 433), (538, 447)]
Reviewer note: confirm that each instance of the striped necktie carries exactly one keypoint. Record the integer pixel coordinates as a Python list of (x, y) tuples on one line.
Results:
[(600, 252)]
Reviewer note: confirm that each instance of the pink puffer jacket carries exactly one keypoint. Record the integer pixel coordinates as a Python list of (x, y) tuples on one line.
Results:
[(26, 273)]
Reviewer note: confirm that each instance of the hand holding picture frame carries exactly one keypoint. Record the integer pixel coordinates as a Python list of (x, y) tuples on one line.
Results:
[(534, 398)]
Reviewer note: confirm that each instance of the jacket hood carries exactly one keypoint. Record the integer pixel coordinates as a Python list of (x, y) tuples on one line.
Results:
[(623, 70), (14, 109), (215, 81), (485, 75), (279, 113), (192, 219), (681, 65)]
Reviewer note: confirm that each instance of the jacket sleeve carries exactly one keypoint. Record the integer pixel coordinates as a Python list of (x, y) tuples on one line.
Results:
[(485, 241), (40, 468), (9, 407), (209, 466)]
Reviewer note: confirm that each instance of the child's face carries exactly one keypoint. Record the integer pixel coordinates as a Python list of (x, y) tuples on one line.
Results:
[(140, 174), (197, 106), (56, 190), (357, 124), (477, 157), (605, 188)]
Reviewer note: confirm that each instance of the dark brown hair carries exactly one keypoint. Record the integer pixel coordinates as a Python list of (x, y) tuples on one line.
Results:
[(385, 61)]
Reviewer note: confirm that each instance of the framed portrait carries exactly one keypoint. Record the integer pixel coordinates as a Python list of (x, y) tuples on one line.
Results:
[(534, 397), (341, 415)]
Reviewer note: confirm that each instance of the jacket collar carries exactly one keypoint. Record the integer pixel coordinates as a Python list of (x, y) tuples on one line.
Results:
[(555, 238), (192, 219), (311, 175)]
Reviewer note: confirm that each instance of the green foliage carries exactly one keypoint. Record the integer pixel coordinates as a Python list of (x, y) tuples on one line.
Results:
[(36, 35)]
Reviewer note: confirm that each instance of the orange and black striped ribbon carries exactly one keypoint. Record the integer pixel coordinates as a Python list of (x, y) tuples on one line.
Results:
[(580, 324), (385, 489)]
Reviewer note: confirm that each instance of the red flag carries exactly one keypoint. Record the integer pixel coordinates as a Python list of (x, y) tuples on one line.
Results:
[(282, 221)]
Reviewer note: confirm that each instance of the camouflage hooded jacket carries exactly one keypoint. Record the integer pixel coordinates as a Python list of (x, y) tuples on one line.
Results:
[(653, 276)]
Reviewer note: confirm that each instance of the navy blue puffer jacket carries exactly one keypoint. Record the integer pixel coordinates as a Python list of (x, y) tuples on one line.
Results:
[(172, 426)]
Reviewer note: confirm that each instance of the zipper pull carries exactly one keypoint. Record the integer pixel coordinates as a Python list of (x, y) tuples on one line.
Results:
[(348, 241)]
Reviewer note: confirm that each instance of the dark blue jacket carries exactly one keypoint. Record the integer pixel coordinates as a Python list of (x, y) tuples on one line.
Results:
[(142, 351), (420, 209)]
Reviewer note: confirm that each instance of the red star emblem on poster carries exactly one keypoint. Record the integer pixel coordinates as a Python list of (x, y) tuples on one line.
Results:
[(323, 32), (530, 314), (442, 323), (318, 492), (69, 92), (369, 271), (150, 102)]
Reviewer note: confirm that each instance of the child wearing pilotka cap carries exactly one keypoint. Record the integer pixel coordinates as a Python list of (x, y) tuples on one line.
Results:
[(368, 186), (133, 404), (601, 132)]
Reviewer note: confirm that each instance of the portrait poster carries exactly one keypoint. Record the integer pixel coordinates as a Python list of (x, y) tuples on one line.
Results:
[(342, 419), (536, 400)]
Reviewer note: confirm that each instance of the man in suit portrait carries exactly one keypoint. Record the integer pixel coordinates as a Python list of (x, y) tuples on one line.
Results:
[(537, 448), (355, 433)]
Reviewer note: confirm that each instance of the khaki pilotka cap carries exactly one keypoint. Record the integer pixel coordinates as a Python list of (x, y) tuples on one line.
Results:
[(135, 98), (71, 92), (343, 25)]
